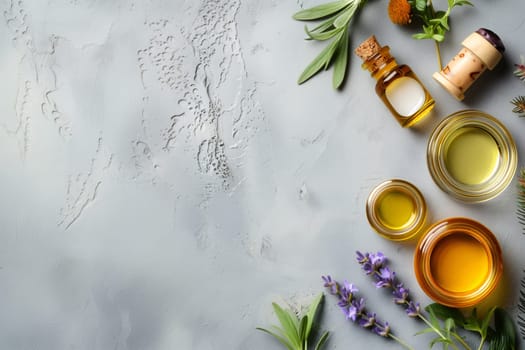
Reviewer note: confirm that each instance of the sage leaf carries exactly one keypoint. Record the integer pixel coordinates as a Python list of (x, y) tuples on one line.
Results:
[(303, 325), (341, 62), (344, 18), (322, 340), (312, 311), (322, 60), (321, 11), (323, 35), (278, 337), (289, 325)]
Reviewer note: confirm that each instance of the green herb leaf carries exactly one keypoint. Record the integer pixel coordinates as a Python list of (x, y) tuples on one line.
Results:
[(321, 11), (312, 311), (443, 312), (341, 62), (303, 336), (288, 325), (278, 337), (322, 340), (322, 60), (344, 18), (321, 36)]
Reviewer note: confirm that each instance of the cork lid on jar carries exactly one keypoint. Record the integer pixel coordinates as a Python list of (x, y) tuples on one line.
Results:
[(487, 45)]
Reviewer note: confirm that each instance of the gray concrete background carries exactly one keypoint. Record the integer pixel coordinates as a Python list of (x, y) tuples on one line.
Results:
[(165, 179)]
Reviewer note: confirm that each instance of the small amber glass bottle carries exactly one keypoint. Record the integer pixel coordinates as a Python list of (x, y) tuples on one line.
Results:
[(397, 85)]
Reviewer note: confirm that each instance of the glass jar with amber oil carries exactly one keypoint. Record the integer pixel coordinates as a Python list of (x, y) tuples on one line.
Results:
[(396, 210), (397, 85), (472, 156), (458, 262)]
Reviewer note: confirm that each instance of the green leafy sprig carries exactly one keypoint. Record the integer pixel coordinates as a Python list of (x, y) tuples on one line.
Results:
[(295, 331), (435, 23), (501, 337), (336, 19)]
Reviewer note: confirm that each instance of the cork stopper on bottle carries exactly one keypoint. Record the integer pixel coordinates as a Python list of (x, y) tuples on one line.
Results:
[(368, 48)]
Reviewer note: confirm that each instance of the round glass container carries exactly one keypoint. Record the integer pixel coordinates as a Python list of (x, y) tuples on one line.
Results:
[(458, 262), (396, 210), (472, 156)]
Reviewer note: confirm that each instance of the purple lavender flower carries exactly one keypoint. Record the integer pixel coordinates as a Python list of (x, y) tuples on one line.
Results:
[(413, 309), (354, 307), (385, 277), (376, 266), (331, 284), (400, 294), (384, 331), (346, 294)]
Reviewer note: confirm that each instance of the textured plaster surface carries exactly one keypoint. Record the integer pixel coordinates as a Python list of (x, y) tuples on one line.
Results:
[(165, 179)]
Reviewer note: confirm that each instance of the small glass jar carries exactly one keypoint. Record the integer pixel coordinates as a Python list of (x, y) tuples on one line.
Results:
[(396, 85), (458, 262), (396, 210), (481, 50), (472, 156)]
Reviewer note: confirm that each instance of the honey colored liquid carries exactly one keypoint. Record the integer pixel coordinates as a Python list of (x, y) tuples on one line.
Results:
[(459, 263), (404, 95)]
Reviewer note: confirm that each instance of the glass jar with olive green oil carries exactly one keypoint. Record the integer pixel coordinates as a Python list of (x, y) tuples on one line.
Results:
[(472, 156)]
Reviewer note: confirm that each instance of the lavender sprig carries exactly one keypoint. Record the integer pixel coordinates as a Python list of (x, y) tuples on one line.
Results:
[(375, 265), (354, 309)]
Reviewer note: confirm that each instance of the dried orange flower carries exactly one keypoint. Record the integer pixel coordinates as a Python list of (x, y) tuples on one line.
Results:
[(399, 11)]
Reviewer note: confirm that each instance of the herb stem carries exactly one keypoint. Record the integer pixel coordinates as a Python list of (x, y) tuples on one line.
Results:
[(481, 344), (464, 344), (401, 342), (438, 54), (431, 326), (441, 334)]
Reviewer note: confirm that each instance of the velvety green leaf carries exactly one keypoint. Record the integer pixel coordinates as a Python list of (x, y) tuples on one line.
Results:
[(322, 60), (328, 24), (340, 62), (302, 330), (323, 35), (312, 312), (321, 11), (278, 337), (443, 312), (288, 325), (322, 340), (344, 18)]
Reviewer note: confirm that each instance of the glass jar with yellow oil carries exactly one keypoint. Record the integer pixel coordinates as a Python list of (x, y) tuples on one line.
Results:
[(396, 210), (472, 156), (458, 262)]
